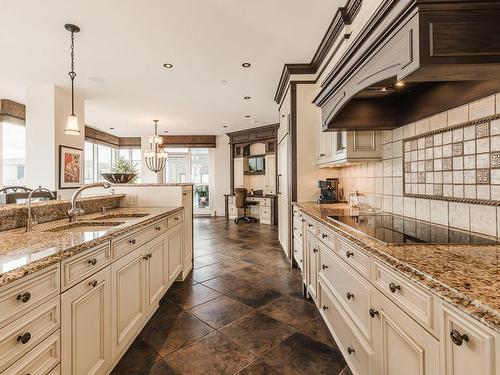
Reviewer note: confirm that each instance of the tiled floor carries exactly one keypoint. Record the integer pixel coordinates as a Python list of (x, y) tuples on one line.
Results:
[(240, 312)]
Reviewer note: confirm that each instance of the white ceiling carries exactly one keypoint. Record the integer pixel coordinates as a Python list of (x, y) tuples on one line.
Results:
[(125, 42)]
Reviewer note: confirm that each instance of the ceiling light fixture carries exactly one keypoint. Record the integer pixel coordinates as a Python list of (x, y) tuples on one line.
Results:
[(72, 127), (246, 65), (168, 66), (155, 158)]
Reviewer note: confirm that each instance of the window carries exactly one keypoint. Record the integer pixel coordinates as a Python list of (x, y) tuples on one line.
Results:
[(13, 154), (89, 162), (190, 165)]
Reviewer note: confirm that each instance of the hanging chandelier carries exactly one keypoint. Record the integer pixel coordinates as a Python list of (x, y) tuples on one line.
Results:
[(72, 127), (155, 158)]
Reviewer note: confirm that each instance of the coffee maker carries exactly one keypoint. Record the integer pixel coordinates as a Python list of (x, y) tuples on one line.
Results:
[(329, 190)]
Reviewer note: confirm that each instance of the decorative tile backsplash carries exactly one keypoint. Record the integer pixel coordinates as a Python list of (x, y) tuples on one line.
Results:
[(451, 163)]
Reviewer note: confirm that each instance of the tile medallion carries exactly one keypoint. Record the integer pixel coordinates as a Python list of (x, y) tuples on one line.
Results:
[(483, 176)]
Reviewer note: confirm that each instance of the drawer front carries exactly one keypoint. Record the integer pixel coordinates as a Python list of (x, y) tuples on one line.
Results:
[(137, 239), (411, 298), (265, 202), (231, 200), (312, 226), (355, 257), (327, 236), (351, 290), (265, 213), (356, 351), (172, 221), (27, 293), (19, 337), (75, 269), (232, 210), (56, 370), (298, 253), (42, 360)]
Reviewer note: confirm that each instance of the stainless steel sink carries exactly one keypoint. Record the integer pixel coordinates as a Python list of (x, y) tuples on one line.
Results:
[(120, 216), (86, 226)]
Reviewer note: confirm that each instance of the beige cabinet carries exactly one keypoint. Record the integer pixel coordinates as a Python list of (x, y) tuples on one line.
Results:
[(187, 244), (466, 347), (312, 266), (270, 185), (128, 302), (325, 142), (157, 273), (284, 203), (86, 326), (174, 244), (238, 173)]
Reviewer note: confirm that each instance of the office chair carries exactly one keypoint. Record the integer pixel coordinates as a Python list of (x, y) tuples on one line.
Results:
[(241, 202)]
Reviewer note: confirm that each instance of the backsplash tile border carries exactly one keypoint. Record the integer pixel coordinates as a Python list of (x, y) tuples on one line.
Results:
[(483, 175)]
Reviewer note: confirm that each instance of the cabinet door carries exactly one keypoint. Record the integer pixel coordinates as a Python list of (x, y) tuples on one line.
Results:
[(339, 145), (156, 272), (238, 172), (466, 347), (400, 343), (312, 264), (128, 302), (86, 326), (283, 200), (270, 174), (174, 240)]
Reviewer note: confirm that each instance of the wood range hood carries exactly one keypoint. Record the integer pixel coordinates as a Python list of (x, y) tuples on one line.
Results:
[(415, 58)]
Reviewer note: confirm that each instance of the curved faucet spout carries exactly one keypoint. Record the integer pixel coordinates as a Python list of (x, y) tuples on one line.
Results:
[(74, 211), (29, 222)]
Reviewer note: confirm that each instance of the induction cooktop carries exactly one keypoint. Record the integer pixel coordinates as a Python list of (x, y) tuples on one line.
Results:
[(395, 229)]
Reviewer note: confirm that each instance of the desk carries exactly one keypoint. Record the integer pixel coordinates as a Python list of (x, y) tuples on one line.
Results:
[(263, 208)]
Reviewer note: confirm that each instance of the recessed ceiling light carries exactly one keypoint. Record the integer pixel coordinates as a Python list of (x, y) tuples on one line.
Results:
[(224, 81), (111, 128), (168, 66), (224, 126), (246, 65), (165, 131), (247, 116), (399, 84), (247, 98)]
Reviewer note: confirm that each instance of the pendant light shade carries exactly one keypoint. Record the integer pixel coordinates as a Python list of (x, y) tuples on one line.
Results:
[(155, 158), (72, 127)]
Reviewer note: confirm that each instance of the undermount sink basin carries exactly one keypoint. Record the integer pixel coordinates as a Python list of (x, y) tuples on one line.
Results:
[(120, 216), (86, 226)]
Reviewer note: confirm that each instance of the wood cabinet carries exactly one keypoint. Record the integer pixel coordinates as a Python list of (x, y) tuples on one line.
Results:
[(86, 326), (270, 185), (238, 173)]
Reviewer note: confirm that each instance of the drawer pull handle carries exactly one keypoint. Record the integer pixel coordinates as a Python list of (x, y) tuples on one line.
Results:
[(150, 255), (93, 283), (393, 287), (301, 261), (92, 261), (300, 234), (132, 241), (325, 308), (349, 254), (303, 220), (350, 295), (158, 229), (315, 250), (350, 350), (324, 266), (310, 225), (458, 338), (176, 218), (25, 297), (296, 251), (145, 257), (324, 235), (294, 228), (24, 338), (373, 313)]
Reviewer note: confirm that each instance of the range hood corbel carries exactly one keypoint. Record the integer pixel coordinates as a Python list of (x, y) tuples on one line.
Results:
[(446, 52)]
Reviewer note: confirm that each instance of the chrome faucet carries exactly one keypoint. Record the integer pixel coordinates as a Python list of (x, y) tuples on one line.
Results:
[(75, 211), (29, 221)]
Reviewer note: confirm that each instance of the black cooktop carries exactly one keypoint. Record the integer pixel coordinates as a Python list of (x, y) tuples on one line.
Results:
[(395, 229)]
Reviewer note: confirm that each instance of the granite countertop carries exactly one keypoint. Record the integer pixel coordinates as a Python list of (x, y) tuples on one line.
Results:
[(466, 276), (254, 195), (149, 184), (23, 253)]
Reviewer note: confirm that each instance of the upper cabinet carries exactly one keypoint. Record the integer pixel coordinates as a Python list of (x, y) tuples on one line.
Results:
[(337, 148)]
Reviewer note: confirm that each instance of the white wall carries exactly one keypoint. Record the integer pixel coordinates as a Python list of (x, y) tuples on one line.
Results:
[(219, 173)]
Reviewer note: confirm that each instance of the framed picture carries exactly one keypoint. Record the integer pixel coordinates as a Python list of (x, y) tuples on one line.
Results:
[(70, 167)]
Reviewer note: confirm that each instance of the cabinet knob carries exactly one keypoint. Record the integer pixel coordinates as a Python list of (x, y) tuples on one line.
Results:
[(150, 255), (458, 338), (303, 220), (310, 225), (324, 266), (393, 287), (25, 297), (132, 241), (93, 283), (158, 229), (325, 308), (373, 312), (324, 235), (145, 257), (24, 338), (349, 254), (315, 250), (301, 261), (350, 295), (92, 261), (350, 350), (321, 155)]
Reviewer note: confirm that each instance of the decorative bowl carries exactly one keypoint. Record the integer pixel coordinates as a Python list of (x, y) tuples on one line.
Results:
[(119, 178)]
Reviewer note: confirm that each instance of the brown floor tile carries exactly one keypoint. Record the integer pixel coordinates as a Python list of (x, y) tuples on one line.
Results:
[(226, 283), (290, 310), (192, 295), (254, 296), (258, 367), (253, 273), (300, 354), (257, 332), (220, 311), (212, 258), (318, 330), (287, 283), (166, 332), (141, 359), (212, 355)]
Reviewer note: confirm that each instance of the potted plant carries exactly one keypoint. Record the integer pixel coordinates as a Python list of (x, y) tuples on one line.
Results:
[(202, 192), (123, 171)]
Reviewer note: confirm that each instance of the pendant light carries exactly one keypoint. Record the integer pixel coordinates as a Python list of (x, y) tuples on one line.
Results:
[(72, 127), (155, 158)]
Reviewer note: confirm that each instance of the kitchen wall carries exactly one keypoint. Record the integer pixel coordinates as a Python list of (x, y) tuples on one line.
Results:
[(381, 183)]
